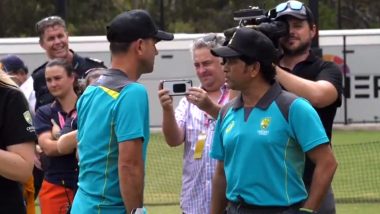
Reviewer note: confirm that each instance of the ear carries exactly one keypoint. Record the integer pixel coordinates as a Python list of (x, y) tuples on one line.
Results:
[(42, 44), (254, 70), (313, 30), (139, 46)]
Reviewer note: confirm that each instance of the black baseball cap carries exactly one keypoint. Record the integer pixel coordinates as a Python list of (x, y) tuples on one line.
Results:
[(295, 9), (247, 42), (132, 25)]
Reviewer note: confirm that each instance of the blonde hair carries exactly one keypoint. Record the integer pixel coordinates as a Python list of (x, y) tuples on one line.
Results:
[(5, 80)]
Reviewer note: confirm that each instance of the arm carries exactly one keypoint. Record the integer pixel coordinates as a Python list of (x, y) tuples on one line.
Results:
[(17, 161), (131, 173), (320, 93), (47, 144), (174, 135), (67, 143), (325, 166), (218, 197)]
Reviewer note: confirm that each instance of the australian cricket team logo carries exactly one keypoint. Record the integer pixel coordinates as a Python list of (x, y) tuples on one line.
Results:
[(264, 125), (230, 126), (28, 117)]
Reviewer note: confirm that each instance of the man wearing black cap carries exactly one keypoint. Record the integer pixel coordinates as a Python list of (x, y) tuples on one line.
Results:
[(111, 167), (303, 73), (260, 138)]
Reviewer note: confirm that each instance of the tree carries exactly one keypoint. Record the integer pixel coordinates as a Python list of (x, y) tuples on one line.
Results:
[(188, 16)]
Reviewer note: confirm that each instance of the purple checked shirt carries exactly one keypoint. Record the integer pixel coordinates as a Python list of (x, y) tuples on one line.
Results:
[(197, 173)]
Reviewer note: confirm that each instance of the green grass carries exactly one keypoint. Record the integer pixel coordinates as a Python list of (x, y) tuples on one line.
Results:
[(352, 137), (357, 177)]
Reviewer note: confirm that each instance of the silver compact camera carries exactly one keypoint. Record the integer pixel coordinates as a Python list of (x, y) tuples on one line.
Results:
[(177, 87)]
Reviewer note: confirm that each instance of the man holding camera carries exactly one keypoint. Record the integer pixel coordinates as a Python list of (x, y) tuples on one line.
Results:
[(303, 73), (260, 138), (192, 123)]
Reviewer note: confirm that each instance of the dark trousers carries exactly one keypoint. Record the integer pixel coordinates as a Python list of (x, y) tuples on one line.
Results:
[(38, 176), (328, 204), (238, 208)]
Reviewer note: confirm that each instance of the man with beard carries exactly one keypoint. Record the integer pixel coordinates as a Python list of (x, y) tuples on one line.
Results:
[(303, 73), (193, 123), (112, 157)]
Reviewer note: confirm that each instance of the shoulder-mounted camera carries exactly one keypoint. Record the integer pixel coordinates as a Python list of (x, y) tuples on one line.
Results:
[(261, 20)]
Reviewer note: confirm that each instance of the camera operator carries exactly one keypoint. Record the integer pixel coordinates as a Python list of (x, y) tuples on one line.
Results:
[(304, 74), (190, 124)]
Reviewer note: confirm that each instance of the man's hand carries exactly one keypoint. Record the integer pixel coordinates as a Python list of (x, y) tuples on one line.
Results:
[(199, 97), (166, 100)]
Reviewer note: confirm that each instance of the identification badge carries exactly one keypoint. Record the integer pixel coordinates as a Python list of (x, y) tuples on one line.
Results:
[(199, 146)]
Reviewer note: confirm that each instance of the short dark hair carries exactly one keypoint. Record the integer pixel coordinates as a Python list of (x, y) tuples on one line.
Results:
[(47, 22), (119, 47)]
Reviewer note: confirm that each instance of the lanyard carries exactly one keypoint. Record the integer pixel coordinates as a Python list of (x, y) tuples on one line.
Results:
[(62, 119), (208, 119)]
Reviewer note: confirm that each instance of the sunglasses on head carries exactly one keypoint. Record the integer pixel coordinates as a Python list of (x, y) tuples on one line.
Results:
[(47, 19), (293, 5), (211, 37)]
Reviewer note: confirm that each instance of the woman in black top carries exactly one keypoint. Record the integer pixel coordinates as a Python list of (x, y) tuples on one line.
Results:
[(17, 138)]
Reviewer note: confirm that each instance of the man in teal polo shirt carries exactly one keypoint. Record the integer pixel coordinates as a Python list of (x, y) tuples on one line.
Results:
[(261, 137), (113, 121)]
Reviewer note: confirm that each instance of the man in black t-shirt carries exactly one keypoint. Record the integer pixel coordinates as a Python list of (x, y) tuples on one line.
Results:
[(17, 138), (54, 40), (306, 75)]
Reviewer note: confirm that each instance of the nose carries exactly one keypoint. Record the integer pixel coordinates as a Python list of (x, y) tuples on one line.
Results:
[(202, 69), (53, 83), (291, 30), (56, 40)]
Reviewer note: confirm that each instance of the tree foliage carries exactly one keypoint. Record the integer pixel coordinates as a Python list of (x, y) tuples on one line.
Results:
[(189, 16)]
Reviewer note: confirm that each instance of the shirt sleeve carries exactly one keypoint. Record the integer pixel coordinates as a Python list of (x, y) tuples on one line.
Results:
[(18, 126), (306, 125), (42, 119), (132, 113), (330, 72)]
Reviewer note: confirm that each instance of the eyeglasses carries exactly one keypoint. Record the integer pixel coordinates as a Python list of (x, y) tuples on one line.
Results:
[(49, 21), (293, 5)]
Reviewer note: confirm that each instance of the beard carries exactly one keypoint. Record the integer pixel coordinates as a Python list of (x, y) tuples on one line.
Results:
[(301, 49), (146, 66)]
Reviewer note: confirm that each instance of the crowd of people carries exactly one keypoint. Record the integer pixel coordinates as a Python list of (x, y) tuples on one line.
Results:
[(246, 146)]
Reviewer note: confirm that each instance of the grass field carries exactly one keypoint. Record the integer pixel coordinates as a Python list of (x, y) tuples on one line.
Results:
[(357, 179)]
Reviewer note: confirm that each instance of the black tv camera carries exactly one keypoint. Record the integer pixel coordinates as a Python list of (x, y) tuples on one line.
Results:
[(261, 20)]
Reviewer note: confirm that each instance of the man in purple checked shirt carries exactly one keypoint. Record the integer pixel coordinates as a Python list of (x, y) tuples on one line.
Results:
[(190, 124)]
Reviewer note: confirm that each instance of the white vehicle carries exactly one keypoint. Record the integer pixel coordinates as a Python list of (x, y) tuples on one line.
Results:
[(362, 48)]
